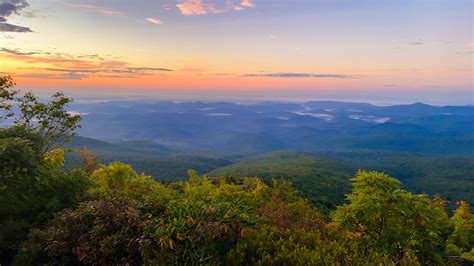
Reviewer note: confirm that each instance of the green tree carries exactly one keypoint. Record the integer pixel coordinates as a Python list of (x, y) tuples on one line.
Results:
[(392, 221), (461, 240), (7, 95), (50, 119), (106, 231), (32, 186), (120, 179)]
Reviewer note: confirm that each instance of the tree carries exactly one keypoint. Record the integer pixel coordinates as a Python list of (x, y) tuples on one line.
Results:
[(32, 186), (106, 231), (88, 161), (392, 221), (121, 179), (7, 95), (51, 119), (461, 240)]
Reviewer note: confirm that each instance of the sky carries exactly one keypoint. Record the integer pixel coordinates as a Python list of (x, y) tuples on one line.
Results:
[(373, 50)]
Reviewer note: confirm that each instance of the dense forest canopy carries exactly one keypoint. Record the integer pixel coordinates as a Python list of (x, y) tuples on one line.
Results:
[(110, 214)]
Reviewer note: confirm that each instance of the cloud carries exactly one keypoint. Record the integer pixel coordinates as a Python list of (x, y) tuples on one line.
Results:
[(70, 70), (8, 8), (77, 74), (272, 37), (468, 52), (97, 9), (445, 41), (140, 70), (35, 57), (16, 52), (417, 42), (202, 7), (66, 66), (196, 7), (6, 27), (300, 75), (64, 73), (73, 76), (247, 3), (154, 21), (193, 69), (220, 74)]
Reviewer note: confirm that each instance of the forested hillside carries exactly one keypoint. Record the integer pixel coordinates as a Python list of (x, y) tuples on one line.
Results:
[(322, 180), (162, 162), (449, 176)]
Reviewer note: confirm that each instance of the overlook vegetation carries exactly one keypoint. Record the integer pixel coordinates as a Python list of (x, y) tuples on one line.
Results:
[(109, 214)]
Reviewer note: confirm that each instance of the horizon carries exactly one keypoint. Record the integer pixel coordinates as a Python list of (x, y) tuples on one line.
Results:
[(385, 52), (463, 98)]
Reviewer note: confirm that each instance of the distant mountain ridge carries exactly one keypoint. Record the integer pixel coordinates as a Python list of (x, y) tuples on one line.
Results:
[(313, 126)]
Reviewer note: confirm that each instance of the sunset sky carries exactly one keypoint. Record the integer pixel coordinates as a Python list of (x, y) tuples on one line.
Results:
[(409, 47)]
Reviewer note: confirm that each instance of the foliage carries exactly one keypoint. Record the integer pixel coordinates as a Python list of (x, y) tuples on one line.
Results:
[(132, 219), (392, 221), (105, 231), (55, 158), (32, 188), (7, 94), (88, 161), (51, 119), (120, 179), (461, 240), (195, 222), (296, 246)]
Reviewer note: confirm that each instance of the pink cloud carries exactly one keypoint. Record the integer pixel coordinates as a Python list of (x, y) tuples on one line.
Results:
[(247, 3), (97, 9), (154, 21), (192, 7), (202, 7)]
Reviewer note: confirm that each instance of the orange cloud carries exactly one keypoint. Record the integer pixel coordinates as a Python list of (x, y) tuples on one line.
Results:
[(41, 65), (58, 62)]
